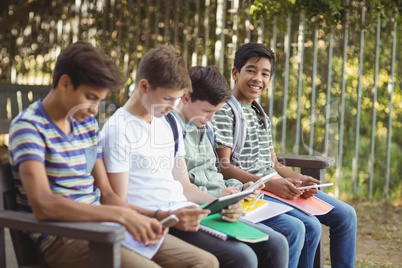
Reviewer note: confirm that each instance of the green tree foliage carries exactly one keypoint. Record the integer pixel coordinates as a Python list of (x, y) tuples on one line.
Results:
[(331, 16)]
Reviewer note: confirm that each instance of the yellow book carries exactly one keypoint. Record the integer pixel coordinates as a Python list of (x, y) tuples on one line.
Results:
[(250, 207)]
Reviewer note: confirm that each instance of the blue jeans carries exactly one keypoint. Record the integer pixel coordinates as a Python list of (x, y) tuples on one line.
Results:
[(343, 226), (294, 231), (342, 223)]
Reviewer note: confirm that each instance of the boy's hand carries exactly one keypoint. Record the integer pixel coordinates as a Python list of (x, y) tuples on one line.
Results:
[(189, 218), (233, 212), (144, 229), (284, 187), (230, 190), (308, 180), (255, 193)]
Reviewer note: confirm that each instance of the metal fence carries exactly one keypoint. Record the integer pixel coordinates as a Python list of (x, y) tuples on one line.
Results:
[(336, 91)]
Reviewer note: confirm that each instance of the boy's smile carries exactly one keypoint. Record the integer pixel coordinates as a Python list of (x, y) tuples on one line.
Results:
[(252, 80)]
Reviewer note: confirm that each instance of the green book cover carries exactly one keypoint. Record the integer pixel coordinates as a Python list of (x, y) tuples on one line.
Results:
[(238, 230)]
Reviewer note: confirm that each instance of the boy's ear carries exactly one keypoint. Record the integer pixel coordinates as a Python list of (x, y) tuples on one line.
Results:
[(186, 98), (64, 82), (235, 73), (143, 86)]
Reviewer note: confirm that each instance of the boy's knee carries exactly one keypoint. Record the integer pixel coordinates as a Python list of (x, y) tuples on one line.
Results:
[(207, 261), (213, 262)]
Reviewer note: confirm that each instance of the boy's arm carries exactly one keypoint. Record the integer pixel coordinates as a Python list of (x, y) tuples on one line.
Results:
[(230, 171), (108, 195), (48, 206), (197, 196), (119, 184), (283, 188)]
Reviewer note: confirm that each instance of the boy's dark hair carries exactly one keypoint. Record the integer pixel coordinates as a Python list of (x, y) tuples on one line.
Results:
[(87, 65), (208, 85), (249, 50), (164, 67)]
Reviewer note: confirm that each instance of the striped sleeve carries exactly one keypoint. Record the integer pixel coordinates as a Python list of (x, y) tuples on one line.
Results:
[(26, 143), (224, 126)]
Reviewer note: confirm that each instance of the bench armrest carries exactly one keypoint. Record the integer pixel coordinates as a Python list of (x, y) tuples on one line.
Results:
[(314, 166), (104, 240), (92, 231)]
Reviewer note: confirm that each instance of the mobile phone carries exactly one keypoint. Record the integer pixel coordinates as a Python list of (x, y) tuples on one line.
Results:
[(169, 221), (314, 186)]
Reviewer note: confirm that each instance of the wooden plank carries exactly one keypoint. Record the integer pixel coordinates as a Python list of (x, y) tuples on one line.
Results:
[(306, 161), (79, 230), (104, 255)]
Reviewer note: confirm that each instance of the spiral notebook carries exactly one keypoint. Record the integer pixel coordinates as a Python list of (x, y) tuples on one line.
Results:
[(238, 230)]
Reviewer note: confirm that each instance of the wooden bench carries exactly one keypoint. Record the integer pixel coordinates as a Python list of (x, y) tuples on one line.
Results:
[(19, 97), (15, 98), (104, 240)]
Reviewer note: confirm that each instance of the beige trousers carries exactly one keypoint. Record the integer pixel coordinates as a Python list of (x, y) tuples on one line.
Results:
[(174, 253)]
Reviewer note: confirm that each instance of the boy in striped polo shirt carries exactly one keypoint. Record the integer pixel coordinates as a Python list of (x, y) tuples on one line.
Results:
[(59, 172), (253, 67)]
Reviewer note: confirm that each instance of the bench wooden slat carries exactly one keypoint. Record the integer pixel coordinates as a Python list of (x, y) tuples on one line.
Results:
[(9, 93)]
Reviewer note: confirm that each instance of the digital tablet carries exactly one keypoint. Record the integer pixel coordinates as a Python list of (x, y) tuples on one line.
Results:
[(224, 201), (314, 186)]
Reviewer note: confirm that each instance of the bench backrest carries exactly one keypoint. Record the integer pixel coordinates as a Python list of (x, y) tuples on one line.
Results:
[(15, 98)]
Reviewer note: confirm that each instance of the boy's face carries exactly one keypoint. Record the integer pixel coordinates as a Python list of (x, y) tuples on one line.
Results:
[(161, 101), (83, 102), (252, 80), (199, 112)]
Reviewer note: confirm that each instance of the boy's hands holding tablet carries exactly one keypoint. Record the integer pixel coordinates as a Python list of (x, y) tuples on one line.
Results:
[(189, 218), (309, 186), (233, 212), (256, 191)]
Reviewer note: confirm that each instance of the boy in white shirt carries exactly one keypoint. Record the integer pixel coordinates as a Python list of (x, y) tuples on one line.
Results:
[(144, 169)]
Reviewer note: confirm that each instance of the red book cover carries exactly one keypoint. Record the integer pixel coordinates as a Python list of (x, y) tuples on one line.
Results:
[(311, 206)]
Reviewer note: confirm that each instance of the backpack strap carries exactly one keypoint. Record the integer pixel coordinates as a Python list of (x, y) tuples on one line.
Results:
[(211, 137), (239, 131), (211, 134), (173, 124), (240, 125), (261, 114)]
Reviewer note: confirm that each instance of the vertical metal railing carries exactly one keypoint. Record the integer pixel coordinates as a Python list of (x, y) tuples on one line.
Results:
[(300, 45), (374, 110), (342, 108), (313, 92), (286, 82), (359, 97), (391, 87)]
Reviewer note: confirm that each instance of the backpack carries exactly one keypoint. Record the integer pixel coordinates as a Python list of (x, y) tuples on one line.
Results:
[(240, 131), (173, 124)]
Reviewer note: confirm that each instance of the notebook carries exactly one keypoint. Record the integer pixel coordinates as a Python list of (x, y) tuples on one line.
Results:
[(268, 211), (253, 206), (237, 230)]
